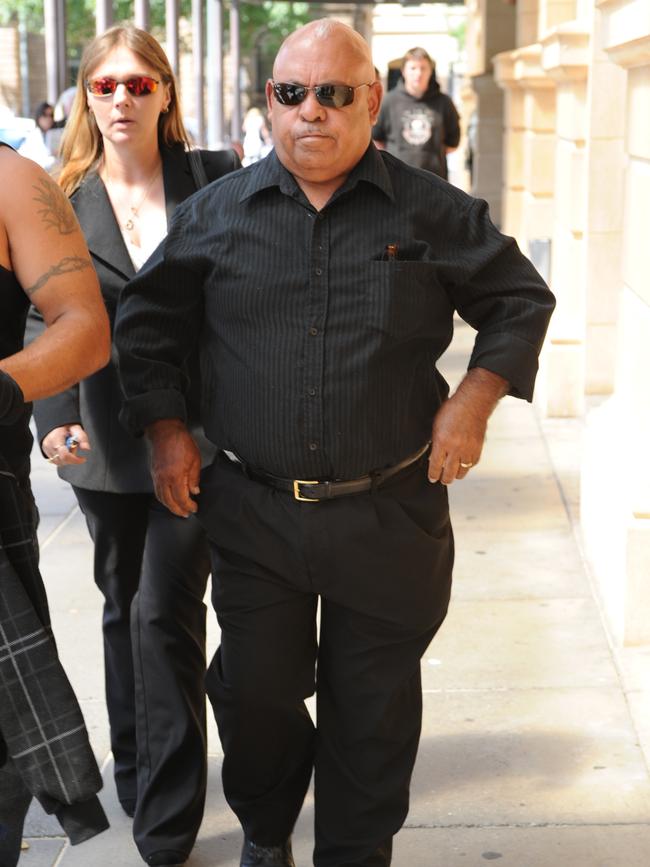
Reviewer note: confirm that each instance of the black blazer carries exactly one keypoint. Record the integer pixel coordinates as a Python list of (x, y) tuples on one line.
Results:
[(118, 463)]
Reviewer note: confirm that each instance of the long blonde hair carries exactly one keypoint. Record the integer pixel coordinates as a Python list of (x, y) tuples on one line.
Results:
[(82, 144)]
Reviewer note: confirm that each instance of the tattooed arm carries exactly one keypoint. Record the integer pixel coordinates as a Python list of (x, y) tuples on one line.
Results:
[(41, 242)]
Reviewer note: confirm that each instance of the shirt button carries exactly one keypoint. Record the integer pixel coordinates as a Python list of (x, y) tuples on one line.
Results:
[(313, 447), (319, 271), (313, 331), (311, 391)]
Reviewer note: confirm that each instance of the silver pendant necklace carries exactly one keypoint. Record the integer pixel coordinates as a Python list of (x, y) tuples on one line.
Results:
[(129, 225)]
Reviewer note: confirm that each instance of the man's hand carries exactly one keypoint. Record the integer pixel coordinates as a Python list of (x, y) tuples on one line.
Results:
[(460, 424), (175, 465), (56, 450)]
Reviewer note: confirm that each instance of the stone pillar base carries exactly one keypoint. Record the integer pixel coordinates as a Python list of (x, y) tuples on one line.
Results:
[(616, 537), (560, 386), (637, 602)]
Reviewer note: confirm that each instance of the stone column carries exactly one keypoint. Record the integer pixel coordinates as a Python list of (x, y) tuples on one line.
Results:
[(488, 169), (52, 50), (492, 30), (538, 145), (215, 73), (171, 34), (141, 14), (530, 118), (235, 59), (199, 69), (565, 59), (103, 15), (513, 143), (552, 13), (530, 169), (625, 418)]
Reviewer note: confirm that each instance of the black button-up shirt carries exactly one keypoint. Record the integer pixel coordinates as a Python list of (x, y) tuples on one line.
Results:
[(320, 331)]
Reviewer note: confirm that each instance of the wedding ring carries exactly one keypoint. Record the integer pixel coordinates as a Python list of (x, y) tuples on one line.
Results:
[(466, 466), (53, 459)]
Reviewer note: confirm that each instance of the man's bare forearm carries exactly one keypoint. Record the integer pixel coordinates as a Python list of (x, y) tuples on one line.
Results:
[(163, 427), (75, 345), (480, 391), (460, 424)]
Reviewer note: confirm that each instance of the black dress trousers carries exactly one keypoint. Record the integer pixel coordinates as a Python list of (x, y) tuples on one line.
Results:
[(152, 569), (381, 564)]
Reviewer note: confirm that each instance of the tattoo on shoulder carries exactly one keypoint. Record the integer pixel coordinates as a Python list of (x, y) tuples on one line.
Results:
[(66, 266), (55, 211)]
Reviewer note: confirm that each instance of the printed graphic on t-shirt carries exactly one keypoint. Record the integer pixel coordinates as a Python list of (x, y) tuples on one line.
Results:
[(417, 125)]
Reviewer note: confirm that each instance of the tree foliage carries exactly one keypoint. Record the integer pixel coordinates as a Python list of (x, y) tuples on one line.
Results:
[(264, 23)]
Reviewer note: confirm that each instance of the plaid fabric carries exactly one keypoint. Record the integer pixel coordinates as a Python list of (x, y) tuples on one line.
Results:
[(42, 731)]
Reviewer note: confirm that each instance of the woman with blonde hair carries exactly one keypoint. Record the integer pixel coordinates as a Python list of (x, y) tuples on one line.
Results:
[(126, 164)]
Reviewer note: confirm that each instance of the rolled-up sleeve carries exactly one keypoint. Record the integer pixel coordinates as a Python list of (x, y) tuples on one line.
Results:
[(158, 323), (505, 299)]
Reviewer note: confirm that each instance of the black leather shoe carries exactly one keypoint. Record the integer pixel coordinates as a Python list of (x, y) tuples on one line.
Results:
[(266, 856)]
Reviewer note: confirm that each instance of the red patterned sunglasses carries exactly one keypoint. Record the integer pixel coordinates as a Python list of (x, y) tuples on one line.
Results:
[(137, 85)]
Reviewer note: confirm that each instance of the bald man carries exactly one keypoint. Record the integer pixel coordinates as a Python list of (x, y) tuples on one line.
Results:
[(322, 282)]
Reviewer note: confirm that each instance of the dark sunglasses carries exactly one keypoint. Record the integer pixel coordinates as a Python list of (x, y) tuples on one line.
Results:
[(137, 85), (329, 95)]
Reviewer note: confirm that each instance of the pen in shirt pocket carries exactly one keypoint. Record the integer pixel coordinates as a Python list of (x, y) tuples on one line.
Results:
[(390, 253)]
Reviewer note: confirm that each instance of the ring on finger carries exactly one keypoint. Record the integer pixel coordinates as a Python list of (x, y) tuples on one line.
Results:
[(467, 465)]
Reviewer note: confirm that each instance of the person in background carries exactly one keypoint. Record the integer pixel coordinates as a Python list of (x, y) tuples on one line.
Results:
[(417, 122), (257, 138), (37, 145), (63, 106), (43, 259), (126, 165), (323, 282)]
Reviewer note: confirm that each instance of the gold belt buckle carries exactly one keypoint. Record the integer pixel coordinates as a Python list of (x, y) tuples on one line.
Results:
[(296, 491)]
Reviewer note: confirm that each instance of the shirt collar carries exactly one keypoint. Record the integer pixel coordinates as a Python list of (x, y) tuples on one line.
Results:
[(270, 172), (266, 173)]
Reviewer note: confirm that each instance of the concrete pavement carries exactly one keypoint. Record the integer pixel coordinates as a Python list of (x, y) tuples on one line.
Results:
[(536, 732)]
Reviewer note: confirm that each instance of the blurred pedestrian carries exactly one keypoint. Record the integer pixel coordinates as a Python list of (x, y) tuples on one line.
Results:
[(63, 106), (257, 138), (418, 122), (126, 166), (44, 748), (37, 145)]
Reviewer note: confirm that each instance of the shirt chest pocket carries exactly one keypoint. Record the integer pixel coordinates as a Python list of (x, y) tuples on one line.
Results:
[(404, 300)]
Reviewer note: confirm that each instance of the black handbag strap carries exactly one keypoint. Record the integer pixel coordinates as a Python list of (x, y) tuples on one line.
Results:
[(196, 167)]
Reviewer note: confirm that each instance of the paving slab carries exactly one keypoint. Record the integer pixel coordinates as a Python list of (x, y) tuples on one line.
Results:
[(39, 824), (589, 846), (42, 853), (515, 564), (535, 756), (502, 502), (519, 644)]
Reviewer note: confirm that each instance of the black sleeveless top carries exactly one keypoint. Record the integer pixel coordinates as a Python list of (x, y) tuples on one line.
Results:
[(15, 439)]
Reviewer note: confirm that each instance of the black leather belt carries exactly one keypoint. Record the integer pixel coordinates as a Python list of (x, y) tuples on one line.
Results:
[(314, 491)]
